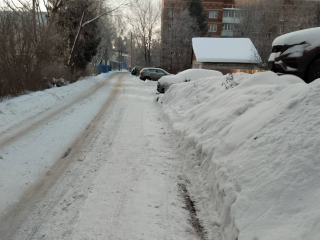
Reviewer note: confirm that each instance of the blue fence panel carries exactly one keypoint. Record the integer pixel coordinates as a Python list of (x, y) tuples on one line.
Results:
[(102, 68), (124, 65)]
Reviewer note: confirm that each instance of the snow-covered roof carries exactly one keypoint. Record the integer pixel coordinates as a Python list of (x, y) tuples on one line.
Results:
[(224, 50)]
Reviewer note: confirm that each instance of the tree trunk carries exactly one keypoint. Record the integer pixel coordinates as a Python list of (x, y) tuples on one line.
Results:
[(76, 39)]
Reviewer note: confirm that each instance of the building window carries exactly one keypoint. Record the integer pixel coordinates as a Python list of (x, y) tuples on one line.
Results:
[(280, 30), (238, 14), (171, 13), (230, 14), (213, 14), (225, 13), (212, 28), (228, 27), (281, 19), (170, 26)]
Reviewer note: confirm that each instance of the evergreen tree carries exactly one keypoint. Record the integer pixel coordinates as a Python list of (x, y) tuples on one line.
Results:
[(68, 24), (196, 11)]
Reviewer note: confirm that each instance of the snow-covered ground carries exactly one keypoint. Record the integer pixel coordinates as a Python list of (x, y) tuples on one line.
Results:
[(98, 160), (251, 154), (92, 160), (33, 152)]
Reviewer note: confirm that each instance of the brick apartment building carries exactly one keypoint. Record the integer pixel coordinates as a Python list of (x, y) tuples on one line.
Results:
[(222, 18)]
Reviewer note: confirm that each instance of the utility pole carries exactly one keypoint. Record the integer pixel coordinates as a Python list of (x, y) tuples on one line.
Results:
[(34, 19), (119, 53), (131, 52)]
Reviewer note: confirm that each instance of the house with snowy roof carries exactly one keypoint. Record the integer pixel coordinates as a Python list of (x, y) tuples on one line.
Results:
[(227, 55)]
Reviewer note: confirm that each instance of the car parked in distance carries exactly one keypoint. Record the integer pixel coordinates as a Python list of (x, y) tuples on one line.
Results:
[(297, 53), (185, 76), (136, 71), (152, 73)]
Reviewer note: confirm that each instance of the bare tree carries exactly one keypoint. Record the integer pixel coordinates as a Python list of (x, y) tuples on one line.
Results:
[(259, 23), (26, 40), (33, 39), (264, 20), (178, 40), (83, 23), (143, 18), (108, 34), (300, 15)]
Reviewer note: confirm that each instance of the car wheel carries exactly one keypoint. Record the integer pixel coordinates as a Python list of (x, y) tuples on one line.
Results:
[(147, 78), (313, 71)]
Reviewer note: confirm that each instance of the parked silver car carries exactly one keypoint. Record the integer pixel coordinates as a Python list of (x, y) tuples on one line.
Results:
[(152, 73)]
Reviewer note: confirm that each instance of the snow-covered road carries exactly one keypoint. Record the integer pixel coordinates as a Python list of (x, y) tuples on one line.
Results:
[(98, 164)]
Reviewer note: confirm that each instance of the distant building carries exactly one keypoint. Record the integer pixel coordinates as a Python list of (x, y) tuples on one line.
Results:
[(222, 18), (225, 55)]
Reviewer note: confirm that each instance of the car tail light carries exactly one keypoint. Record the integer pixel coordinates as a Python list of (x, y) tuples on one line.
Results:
[(141, 72)]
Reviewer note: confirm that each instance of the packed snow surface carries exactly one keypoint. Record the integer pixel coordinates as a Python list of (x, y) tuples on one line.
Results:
[(101, 168), (189, 75), (27, 159), (251, 154), (224, 50)]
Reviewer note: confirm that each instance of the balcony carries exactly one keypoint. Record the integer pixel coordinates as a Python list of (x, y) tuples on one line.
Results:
[(230, 20), (226, 33)]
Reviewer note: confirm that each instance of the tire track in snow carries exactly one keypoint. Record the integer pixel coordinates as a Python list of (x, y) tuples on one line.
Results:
[(120, 204), (21, 129), (18, 214), (66, 182)]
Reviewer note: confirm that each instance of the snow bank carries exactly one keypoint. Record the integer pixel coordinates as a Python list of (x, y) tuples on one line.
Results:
[(16, 110), (189, 75), (251, 154)]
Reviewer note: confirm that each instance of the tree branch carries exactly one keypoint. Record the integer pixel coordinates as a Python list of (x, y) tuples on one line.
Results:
[(103, 14)]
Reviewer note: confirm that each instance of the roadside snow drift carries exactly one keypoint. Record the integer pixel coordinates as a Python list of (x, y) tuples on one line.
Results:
[(189, 75), (251, 154), (22, 108)]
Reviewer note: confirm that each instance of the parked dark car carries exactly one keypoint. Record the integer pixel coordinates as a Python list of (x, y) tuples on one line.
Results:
[(297, 53), (136, 71)]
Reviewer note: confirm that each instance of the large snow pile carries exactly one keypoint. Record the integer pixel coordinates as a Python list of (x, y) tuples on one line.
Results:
[(189, 75), (251, 154)]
